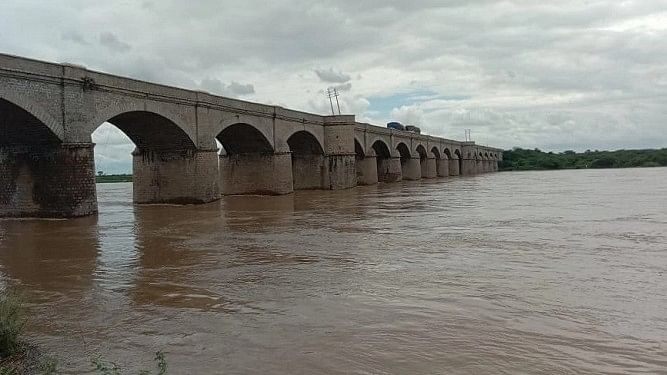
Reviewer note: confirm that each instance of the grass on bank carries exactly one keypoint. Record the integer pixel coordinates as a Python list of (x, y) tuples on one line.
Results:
[(112, 178), (18, 357)]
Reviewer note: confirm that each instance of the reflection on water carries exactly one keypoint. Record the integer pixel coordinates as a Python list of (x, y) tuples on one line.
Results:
[(536, 272)]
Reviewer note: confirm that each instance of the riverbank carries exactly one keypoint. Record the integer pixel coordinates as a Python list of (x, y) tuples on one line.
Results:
[(519, 159), (113, 178)]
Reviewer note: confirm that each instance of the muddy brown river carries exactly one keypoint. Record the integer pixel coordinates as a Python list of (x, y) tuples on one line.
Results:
[(517, 273)]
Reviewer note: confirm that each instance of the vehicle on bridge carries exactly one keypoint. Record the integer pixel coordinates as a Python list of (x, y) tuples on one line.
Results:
[(395, 125), (414, 129)]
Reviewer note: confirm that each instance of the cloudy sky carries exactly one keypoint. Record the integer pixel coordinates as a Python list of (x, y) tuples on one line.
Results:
[(566, 74)]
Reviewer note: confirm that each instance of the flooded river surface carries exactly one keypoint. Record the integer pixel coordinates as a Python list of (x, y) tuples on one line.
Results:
[(523, 272)]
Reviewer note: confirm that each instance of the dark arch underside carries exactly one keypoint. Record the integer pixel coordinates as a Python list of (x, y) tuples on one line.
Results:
[(19, 127), (404, 151), (304, 143), (422, 152), (244, 139), (358, 149), (150, 131), (381, 150)]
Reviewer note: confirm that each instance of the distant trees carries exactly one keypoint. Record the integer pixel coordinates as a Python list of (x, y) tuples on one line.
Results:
[(522, 159)]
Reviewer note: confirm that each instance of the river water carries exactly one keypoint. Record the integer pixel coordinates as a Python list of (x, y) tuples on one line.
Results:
[(523, 272)]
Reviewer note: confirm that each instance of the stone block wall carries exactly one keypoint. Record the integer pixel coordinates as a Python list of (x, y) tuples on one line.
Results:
[(179, 177), (47, 181), (269, 174)]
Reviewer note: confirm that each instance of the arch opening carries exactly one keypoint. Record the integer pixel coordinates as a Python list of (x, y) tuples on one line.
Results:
[(358, 150), (410, 168), (166, 165), (243, 139), (365, 165), (384, 169), (404, 152), (307, 161), (21, 128), (139, 132), (441, 163)]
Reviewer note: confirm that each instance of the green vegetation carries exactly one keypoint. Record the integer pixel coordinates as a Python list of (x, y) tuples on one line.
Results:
[(18, 357), (519, 159), (12, 324), (111, 178)]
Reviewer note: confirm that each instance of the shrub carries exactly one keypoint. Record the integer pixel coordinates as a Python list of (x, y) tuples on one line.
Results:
[(12, 323)]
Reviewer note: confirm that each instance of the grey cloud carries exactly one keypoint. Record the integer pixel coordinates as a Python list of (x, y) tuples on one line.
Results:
[(234, 89), (112, 42), (332, 76), (73, 36), (343, 87)]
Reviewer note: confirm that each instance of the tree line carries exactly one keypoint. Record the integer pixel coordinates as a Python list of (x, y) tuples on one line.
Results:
[(519, 159)]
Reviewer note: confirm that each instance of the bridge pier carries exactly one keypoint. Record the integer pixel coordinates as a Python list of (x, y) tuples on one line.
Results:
[(340, 172), (469, 167), (389, 170), (442, 166), (411, 169), (454, 167), (175, 176), (53, 181), (308, 171), (429, 168), (367, 170), (256, 173)]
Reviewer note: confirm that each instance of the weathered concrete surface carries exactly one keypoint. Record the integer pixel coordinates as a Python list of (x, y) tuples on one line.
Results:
[(389, 170), (341, 172), (47, 181), (180, 177), (442, 167), (367, 170), (175, 131), (411, 169), (257, 173), (308, 171), (430, 168), (454, 167)]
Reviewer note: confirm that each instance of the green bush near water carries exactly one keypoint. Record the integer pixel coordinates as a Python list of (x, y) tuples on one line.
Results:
[(12, 323), (519, 159)]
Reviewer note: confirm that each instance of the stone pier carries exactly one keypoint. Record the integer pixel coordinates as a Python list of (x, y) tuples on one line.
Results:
[(178, 177), (256, 173), (367, 170), (411, 168), (47, 181), (443, 167)]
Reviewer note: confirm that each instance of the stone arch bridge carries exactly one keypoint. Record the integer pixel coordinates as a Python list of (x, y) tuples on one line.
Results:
[(48, 113)]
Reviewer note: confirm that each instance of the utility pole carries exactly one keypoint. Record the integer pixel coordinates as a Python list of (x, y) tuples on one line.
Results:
[(333, 93)]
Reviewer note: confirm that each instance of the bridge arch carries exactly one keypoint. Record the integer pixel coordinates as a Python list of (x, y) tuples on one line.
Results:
[(359, 149), (150, 117), (26, 125), (242, 138), (150, 131), (307, 160), (403, 151)]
